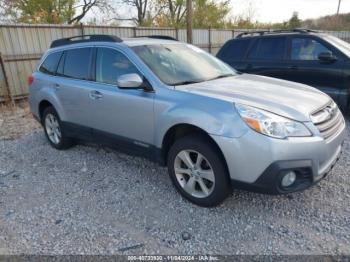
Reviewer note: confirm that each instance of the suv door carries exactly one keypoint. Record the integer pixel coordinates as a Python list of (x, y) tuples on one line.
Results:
[(266, 57), (233, 53), (73, 84), (305, 66), (122, 116)]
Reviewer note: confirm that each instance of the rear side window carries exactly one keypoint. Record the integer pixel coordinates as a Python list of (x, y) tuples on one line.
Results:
[(235, 50), (77, 63), (50, 64), (271, 48)]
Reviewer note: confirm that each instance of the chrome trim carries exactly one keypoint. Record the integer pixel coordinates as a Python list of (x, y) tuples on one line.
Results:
[(328, 120)]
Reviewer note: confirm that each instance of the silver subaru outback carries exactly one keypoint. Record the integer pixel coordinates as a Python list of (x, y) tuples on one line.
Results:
[(173, 103)]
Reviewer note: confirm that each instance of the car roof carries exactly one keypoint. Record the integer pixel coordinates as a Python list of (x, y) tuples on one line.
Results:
[(106, 40), (272, 33), (138, 41)]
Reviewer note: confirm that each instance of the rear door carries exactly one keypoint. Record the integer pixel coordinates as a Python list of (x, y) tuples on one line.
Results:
[(266, 56), (305, 67), (73, 84)]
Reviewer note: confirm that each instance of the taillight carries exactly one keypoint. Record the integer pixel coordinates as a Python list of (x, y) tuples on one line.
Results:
[(30, 80)]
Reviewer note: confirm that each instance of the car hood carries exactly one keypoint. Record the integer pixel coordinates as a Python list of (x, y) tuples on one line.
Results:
[(285, 98)]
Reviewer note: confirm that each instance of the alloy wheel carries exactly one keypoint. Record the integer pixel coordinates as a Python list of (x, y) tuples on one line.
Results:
[(52, 128), (194, 173)]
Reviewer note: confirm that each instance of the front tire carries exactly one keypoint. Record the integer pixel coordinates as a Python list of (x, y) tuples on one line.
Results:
[(198, 171), (54, 131)]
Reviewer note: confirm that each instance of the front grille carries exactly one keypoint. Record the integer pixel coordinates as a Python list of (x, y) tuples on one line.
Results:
[(329, 120)]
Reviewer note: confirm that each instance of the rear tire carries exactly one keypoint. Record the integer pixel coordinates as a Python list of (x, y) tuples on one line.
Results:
[(198, 171), (54, 130)]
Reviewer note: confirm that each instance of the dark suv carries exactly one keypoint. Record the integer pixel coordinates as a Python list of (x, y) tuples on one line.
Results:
[(305, 56)]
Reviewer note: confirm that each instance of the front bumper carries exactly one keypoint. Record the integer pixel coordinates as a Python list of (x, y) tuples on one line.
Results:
[(257, 162)]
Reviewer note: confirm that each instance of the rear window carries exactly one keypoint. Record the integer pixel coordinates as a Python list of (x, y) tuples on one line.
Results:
[(271, 48), (50, 64), (77, 63), (234, 50)]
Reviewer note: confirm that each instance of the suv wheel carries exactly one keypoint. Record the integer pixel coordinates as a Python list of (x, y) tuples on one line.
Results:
[(53, 129), (198, 172)]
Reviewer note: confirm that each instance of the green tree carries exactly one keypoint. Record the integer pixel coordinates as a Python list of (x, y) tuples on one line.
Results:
[(172, 13), (147, 11), (48, 11), (294, 22), (208, 13)]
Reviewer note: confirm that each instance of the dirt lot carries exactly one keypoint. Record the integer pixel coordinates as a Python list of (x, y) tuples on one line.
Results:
[(16, 121), (91, 200)]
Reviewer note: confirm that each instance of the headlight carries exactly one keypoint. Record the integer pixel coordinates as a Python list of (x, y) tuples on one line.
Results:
[(271, 124)]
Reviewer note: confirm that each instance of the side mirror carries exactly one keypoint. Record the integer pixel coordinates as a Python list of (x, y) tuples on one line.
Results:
[(327, 57), (129, 81)]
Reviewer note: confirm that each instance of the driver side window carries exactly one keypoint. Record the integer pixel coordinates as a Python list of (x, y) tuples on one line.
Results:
[(111, 64), (306, 49)]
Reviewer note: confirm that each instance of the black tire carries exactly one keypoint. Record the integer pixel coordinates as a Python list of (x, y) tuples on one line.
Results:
[(222, 186), (64, 141)]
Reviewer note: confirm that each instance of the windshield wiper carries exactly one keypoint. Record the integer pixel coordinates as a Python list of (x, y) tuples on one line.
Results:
[(187, 82), (221, 76)]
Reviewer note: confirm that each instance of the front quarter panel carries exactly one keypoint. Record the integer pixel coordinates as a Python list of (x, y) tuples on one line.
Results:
[(214, 116)]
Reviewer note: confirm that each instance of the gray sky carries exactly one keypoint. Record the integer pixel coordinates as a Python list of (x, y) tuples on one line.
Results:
[(281, 10)]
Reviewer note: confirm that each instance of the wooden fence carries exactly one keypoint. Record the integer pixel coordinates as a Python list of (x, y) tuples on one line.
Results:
[(22, 45)]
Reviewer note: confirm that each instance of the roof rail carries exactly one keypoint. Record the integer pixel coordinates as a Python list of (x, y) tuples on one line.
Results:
[(266, 32), (85, 38), (164, 37)]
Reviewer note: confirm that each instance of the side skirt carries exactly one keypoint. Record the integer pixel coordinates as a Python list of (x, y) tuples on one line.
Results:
[(119, 143)]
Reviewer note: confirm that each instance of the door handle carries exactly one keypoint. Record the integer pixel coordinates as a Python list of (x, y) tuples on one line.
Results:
[(95, 95), (56, 86)]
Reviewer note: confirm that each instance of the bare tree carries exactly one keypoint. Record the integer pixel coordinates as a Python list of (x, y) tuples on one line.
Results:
[(141, 7), (146, 10), (84, 7), (177, 11)]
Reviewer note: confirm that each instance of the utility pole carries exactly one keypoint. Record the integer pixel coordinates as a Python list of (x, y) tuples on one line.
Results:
[(338, 7), (189, 20)]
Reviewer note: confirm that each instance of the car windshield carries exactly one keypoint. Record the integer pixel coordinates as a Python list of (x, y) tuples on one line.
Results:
[(343, 46), (180, 64)]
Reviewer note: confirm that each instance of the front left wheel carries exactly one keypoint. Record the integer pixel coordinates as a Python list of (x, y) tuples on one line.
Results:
[(54, 130), (198, 171)]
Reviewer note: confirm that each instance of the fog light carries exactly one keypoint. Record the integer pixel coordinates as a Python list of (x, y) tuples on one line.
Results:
[(288, 179)]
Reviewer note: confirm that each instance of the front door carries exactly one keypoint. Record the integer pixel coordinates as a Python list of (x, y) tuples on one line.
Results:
[(121, 117), (305, 66)]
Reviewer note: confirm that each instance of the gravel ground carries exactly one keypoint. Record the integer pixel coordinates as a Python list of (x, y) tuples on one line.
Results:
[(91, 200), (16, 121)]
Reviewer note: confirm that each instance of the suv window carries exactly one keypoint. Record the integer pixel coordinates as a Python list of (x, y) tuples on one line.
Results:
[(110, 64), (77, 63), (49, 66), (306, 49), (235, 49), (271, 48)]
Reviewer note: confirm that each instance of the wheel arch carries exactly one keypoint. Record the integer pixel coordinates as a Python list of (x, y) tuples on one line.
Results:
[(183, 129), (42, 106), (49, 100)]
